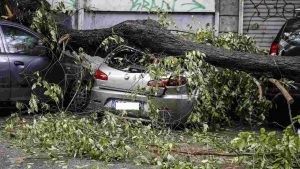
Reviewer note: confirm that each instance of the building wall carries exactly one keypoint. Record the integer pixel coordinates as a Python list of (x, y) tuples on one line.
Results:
[(263, 19), (223, 15), (106, 13), (96, 20), (259, 19), (229, 15), (152, 5)]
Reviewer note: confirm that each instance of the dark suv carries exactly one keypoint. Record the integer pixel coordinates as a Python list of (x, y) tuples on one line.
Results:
[(287, 41), (22, 53)]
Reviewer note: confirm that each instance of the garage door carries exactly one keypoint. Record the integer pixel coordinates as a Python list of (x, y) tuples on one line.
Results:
[(263, 18)]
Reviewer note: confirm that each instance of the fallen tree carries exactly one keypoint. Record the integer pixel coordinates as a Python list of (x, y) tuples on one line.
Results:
[(150, 35)]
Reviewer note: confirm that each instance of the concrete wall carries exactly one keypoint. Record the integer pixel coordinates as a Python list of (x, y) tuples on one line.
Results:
[(106, 13), (224, 15), (229, 15), (98, 16), (95, 20)]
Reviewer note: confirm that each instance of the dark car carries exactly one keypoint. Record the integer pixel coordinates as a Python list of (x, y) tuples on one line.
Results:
[(22, 53), (287, 41)]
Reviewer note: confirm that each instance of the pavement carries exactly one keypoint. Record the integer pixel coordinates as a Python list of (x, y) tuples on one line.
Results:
[(13, 157)]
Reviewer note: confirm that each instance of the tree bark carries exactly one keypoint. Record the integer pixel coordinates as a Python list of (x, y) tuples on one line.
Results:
[(149, 35)]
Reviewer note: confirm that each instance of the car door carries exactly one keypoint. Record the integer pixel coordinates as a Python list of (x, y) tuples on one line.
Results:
[(26, 55), (4, 72)]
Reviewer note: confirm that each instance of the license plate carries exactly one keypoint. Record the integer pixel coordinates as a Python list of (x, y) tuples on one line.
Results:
[(124, 105)]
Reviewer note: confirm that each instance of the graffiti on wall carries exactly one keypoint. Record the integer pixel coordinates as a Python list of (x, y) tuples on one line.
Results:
[(153, 5), (264, 18), (276, 8), (70, 4), (142, 5), (266, 9)]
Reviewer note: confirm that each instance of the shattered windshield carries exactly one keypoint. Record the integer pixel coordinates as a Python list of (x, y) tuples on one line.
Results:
[(129, 60)]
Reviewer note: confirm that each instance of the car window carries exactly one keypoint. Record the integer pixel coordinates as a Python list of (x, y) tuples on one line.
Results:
[(19, 41), (293, 25), (128, 60)]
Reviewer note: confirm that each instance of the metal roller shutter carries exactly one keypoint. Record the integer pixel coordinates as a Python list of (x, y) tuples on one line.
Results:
[(263, 18)]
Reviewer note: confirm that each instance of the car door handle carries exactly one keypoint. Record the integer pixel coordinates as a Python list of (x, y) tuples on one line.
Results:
[(19, 63)]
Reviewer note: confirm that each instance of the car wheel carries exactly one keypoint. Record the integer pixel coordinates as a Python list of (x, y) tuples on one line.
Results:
[(77, 97)]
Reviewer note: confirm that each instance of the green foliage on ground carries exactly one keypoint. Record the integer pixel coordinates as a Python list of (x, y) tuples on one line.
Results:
[(268, 149), (114, 139)]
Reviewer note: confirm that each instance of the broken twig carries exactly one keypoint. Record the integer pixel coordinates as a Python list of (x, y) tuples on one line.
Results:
[(282, 89), (9, 13)]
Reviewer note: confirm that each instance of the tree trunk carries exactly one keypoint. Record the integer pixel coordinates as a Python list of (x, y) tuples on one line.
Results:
[(148, 34)]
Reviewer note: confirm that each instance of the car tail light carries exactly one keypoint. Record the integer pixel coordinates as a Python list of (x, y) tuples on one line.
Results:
[(100, 75), (173, 81), (274, 49)]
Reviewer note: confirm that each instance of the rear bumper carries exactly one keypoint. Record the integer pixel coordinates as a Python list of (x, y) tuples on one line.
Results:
[(172, 108)]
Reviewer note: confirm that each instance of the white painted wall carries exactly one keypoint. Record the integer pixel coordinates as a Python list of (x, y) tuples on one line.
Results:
[(98, 20), (152, 5), (106, 13), (141, 5)]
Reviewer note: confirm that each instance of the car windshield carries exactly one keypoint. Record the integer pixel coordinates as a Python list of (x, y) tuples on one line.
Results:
[(128, 60)]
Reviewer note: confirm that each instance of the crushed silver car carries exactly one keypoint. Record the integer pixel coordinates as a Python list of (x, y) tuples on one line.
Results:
[(120, 77)]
